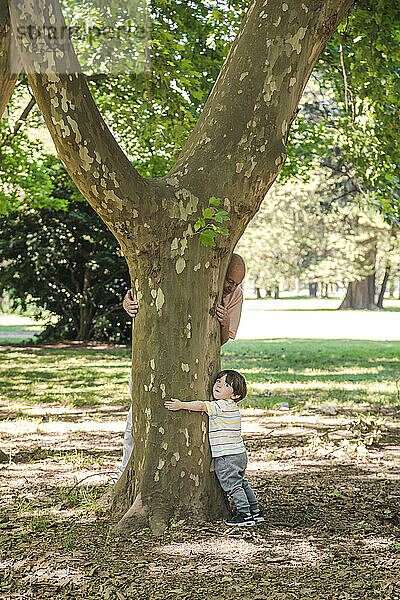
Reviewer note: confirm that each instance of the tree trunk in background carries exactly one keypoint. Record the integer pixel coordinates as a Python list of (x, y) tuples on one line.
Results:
[(361, 294), (257, 281), (312, 290), (235, 152), (383, 287), (296, 286), (86, 315)]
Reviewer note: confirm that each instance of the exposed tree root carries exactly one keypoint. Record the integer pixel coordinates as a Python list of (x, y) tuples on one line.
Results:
[(134, 518), (123, 492)]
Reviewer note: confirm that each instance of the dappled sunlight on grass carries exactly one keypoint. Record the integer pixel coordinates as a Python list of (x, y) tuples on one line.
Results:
[(69, 377), (315, 384), (297, 371), (316, 371)]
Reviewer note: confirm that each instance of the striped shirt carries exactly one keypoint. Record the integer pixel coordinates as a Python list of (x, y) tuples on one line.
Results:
[(224, 428)]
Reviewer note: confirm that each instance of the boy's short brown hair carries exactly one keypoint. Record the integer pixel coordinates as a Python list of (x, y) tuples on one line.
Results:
[(237, 381)]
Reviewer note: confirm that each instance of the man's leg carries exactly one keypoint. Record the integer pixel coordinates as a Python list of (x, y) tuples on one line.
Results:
[(128, 437)]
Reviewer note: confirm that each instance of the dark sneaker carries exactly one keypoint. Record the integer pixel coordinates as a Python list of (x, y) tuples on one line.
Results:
[(258, 516), (241, 520)]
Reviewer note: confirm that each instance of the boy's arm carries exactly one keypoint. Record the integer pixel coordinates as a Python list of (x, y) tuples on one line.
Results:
[(175, 404)]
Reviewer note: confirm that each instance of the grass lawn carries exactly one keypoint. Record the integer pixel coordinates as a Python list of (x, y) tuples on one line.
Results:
[(75, 376), (316, 371), (300, 372)]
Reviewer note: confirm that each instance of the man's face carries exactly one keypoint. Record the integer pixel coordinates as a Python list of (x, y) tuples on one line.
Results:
[(234, 276), (222, 390)]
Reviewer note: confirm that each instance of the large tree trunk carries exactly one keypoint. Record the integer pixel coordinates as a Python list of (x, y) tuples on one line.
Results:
[(312, 289), (360, 294), (235, 152), (176, 345)]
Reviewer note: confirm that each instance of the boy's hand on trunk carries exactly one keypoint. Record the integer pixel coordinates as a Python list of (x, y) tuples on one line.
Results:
[(173, 404)]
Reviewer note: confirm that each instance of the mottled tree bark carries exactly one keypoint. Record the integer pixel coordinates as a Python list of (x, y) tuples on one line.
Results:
[(235, 152)]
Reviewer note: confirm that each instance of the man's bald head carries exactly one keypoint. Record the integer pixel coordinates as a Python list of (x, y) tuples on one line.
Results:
[(234, 275)]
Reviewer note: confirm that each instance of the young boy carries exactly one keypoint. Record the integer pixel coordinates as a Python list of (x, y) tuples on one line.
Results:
[(227, 448)]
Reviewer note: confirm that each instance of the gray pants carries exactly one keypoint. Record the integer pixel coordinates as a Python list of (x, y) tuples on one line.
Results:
[(230, 471)]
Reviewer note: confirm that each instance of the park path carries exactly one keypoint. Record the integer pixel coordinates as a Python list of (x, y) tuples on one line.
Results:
[(268, 319), (17, 334)]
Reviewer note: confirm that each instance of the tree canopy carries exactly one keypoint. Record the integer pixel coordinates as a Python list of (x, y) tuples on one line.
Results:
[(151, 110)]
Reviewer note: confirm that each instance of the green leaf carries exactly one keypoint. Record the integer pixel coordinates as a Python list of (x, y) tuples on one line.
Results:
[(221, 216), (207, 237), (222, 230), (207, 213), (214, 201), (199, 224)]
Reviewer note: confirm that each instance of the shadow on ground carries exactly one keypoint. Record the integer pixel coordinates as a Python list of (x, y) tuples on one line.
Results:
[(331, 531)]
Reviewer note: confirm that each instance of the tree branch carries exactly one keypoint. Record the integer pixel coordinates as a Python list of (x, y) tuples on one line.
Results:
[(94, 160), (18, 124), (8, 78)]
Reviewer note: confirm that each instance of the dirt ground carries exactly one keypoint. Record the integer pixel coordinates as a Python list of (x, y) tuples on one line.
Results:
[(329, 487)]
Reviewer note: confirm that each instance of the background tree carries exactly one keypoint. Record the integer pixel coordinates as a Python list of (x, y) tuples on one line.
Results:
[(66, 262), (318, 233), (23, 177), (282, 239), (351, 107)]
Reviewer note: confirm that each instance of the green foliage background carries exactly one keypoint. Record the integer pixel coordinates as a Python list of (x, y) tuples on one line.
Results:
[(67, 262)]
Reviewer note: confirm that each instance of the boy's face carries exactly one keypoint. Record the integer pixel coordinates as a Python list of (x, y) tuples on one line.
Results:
[(222, 390)]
